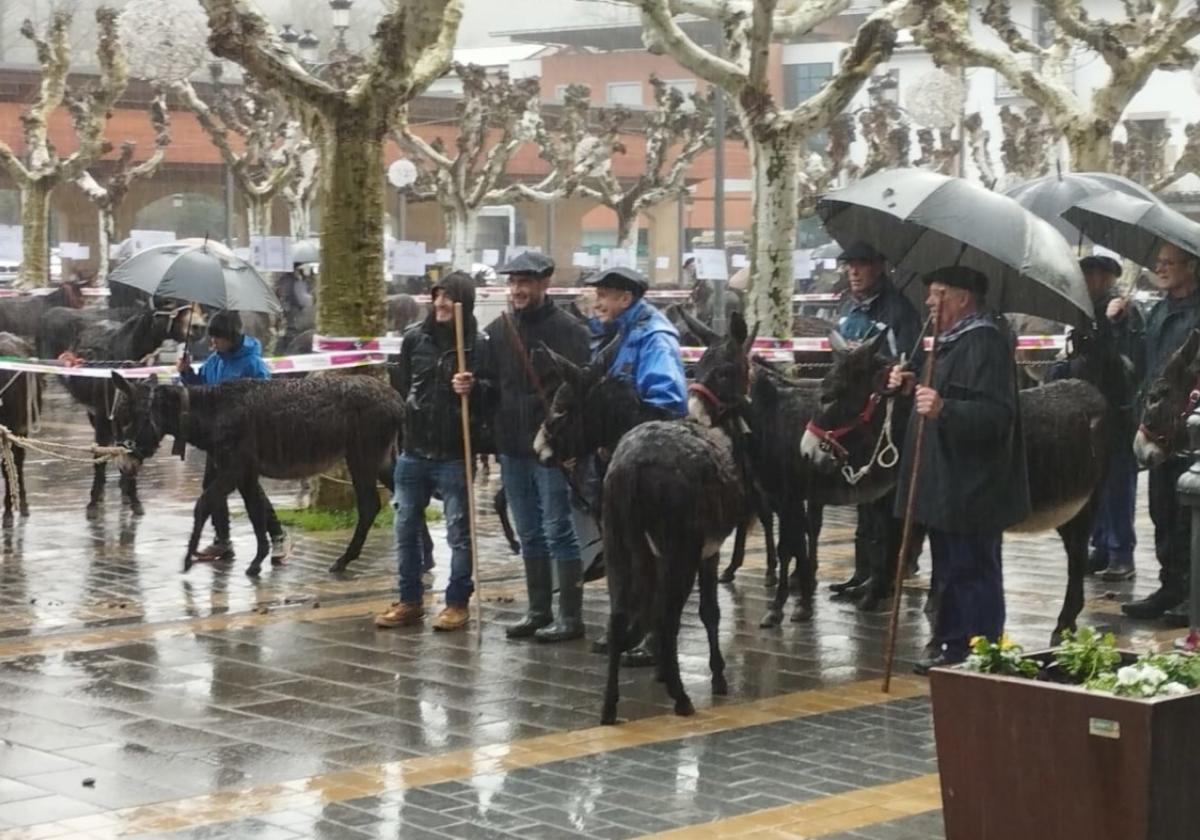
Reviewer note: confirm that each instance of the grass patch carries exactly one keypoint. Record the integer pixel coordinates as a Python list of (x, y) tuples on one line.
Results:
[(309, 519)]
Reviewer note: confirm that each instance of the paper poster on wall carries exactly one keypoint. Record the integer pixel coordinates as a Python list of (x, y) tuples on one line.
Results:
[(143, 239), (739, 261), (617, 258), (74, 251), (444, 255), (711, 264), (490, 256), (662, 263), (11, 238), (409, 259), (279, 253), (829, 265), (801, 265), (582, 259)]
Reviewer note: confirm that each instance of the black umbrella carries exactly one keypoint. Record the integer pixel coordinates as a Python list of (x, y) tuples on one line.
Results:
[(1134, 227), (921, 221), (1050, 196), (201, 272)]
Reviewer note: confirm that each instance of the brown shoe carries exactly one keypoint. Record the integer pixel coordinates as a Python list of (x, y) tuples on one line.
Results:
[(453, 617), (401, 615)]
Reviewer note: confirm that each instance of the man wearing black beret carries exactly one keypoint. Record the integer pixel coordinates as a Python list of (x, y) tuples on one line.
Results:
[(972, 482)]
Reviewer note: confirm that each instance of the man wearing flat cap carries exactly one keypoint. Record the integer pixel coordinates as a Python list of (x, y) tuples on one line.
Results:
[(972, 483), (648, 354), (539, 496), (871, 305)]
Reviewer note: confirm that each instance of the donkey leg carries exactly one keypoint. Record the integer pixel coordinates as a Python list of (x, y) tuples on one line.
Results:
[(806, 567), (739, 553), (129, 494), (362, 473), (256, 509), (618, 622), (767, 518), (99, 471), (710, 614), (19, 460), (774, 614), (1075, 534), (669, 643), (222, 484)]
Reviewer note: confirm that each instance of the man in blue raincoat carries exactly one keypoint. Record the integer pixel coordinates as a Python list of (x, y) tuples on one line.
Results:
[(647, 355), (235, 356)]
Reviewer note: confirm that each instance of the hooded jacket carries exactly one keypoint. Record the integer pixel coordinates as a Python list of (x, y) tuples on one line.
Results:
[(649, 356), (242, 362)]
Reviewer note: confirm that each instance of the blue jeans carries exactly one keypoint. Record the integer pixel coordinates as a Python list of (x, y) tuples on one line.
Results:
[(540, 499), (416, 480), (967, 574), (1112, 533)]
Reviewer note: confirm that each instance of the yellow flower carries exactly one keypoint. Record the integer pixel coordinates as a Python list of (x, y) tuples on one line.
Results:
[(1006, 643)]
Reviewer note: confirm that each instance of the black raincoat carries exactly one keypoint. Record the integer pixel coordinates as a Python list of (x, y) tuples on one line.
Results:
[(973, 477)]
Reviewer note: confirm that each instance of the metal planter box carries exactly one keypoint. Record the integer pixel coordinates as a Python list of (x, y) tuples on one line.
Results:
[(1028, 760)]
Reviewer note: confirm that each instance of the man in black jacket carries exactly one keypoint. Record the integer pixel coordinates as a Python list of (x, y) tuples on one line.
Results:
[(539, 496), (972, 482), (873, 305), (432, 456)]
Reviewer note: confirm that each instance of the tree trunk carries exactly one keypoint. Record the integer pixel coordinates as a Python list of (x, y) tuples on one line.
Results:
[(627, 231), (35, 231), (773, 233), (107, 227), (1090, 145), (299, 219), (258, 216), (350, 292), (463, 226)]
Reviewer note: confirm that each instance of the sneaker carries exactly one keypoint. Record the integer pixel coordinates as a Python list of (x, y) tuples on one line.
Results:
[(218, 551), (401, 615), (281, 547), (452, 617), (1116, 572)]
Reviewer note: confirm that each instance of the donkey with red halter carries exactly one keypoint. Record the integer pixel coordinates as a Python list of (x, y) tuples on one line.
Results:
[(1169, 400)]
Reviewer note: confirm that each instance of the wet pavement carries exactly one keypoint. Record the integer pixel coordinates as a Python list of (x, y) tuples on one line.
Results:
[(136, 701)]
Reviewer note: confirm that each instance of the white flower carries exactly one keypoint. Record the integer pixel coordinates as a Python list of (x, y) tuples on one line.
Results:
[(1153, 676), (1173, 688), (1129, 675)]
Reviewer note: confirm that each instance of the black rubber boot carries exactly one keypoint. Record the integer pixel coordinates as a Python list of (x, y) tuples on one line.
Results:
[(569, 624), (539, 584)]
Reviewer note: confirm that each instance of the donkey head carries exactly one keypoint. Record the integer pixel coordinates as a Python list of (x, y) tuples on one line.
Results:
[(180, 323), (1169, 400), (590, 410), (139, 418), (722, 376), (841, 430)]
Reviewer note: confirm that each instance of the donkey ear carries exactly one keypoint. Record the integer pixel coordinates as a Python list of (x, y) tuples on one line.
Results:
[(566, 369), (699, 329), (1191, 347), (122, 384), (837, 343), (748, 342), (604, 359), (879, 341), (737, 327)]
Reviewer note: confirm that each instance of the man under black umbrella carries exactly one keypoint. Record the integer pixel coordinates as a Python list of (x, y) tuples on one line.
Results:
[(870, 305), (972, 482)]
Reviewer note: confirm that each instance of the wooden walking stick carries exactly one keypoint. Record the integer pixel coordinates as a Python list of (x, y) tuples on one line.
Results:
[(468, 465), (906, 534)]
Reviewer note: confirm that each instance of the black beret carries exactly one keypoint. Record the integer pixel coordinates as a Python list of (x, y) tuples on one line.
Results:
[(960, 277), (1098, 263), (626, 279)]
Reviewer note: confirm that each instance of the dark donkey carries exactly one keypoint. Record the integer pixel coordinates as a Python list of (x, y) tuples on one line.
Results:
[(1169, 400), (20, 397), (132, 341), (673, 493), (23, 315), (238, 424), (1068, 427)]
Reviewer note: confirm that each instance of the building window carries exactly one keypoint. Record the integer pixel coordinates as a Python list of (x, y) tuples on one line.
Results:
[(685, 86), (625, 93), (801, 81)]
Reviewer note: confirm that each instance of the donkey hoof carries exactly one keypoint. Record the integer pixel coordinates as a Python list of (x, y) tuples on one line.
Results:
[(719, 687), (727, 576), (773, 618), (684, 707), (8, 519), (24, 509), (803, 612), (92, 510), (254, 569), (608, 717), (1056, 637), (339, 565), (770, 579), (136, 508), (188, 563)]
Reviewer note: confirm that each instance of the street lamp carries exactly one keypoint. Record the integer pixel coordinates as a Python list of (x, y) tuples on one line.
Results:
[(289, 36), (309, 44), (341, 20)]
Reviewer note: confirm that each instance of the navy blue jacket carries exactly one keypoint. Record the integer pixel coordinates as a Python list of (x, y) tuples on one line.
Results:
[(860, 320)]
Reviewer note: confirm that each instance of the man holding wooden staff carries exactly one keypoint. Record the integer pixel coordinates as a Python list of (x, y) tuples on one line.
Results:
[(972, 481), (432, 456)]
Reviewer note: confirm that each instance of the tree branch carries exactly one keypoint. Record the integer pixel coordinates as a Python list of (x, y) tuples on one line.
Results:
[(657, 19)]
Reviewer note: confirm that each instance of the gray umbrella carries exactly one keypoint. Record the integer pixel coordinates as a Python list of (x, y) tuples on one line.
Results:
[(306, 251), (1133, 227), (1049, 196), (199, 272), (921, 221)]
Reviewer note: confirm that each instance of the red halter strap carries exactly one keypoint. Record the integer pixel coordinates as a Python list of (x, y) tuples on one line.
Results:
[(831, 438), (709, 397)]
